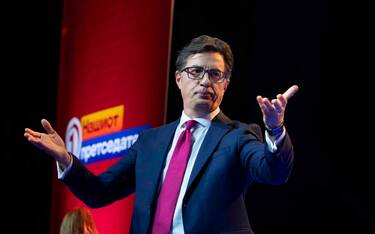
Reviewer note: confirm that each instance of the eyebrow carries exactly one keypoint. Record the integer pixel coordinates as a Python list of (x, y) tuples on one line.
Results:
[(205, 67)]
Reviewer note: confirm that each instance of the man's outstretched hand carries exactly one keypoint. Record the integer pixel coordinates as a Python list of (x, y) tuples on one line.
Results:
[(50, 142), (274, 110)]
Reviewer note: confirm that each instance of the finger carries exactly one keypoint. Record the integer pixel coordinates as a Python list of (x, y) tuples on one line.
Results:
[(268, 104), (290, 92), (277, 104), (33, 133), (260, 103), (47, 126), (282, 99), (32, 138)]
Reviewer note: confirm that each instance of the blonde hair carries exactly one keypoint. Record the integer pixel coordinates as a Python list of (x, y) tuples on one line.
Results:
[(78, 221)]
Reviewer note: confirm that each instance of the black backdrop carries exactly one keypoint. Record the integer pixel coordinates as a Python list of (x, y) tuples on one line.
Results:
[(275, 44)]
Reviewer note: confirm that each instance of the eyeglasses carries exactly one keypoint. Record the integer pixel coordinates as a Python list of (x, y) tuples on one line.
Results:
[(197, 73)]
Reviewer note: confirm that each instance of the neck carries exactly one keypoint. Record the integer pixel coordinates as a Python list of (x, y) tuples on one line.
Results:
[(201, 114), (196, 114)]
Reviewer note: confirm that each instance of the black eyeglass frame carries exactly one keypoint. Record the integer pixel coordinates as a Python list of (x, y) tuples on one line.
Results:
[(223, 75)]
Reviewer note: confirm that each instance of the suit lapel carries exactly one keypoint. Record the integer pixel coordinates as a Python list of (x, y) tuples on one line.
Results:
[(155, 164), (219, 127)]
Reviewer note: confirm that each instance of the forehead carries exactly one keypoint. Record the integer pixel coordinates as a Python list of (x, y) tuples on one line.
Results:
[(207, 59)]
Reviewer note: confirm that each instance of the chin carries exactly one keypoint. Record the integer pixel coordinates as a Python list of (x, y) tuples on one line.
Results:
[(204, 106)]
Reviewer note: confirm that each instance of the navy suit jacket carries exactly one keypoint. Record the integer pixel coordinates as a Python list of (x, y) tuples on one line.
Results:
[(231, 156)]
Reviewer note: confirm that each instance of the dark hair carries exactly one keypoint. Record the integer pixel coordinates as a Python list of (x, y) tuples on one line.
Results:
[(203, 44)]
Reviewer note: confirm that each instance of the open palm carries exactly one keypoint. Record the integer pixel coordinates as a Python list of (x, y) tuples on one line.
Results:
[(50, 142)]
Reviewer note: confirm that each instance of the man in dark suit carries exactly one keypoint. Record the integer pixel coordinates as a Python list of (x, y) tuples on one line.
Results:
[(201, 188)]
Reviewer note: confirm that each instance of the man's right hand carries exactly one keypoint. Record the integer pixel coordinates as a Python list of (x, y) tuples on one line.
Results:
[(50, 142)]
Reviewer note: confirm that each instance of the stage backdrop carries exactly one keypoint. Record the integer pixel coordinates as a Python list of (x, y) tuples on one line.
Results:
[(112, 85)]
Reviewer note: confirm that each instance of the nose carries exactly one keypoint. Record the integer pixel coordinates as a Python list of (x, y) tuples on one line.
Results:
[(205, 81)]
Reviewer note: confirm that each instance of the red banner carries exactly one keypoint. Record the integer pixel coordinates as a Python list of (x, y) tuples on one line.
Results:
[(113, 85)]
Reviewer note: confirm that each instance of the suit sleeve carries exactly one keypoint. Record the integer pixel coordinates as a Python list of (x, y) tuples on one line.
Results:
[(262, 165), (115, 183)]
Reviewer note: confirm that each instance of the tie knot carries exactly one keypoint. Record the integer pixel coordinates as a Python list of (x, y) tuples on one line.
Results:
[(190, 124)]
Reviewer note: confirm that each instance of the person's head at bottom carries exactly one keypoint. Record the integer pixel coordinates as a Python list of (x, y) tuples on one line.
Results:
[(78, 221)]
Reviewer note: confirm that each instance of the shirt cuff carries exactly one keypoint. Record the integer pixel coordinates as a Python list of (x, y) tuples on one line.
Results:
[(272, 142), (61, 173)]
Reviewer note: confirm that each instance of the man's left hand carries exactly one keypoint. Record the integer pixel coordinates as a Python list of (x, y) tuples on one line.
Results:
[(274, 110)]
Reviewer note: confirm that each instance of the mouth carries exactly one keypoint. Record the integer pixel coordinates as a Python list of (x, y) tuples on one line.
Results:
[(205, 94)]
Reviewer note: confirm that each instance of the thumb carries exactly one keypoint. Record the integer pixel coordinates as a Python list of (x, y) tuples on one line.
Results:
[(290, 92), (47, 126)]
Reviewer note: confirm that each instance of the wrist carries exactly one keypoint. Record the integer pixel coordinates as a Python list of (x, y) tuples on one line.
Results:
[(275, 131), (65, 160)]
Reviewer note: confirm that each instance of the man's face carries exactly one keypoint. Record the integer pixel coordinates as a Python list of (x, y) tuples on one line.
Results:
[(203, 96)]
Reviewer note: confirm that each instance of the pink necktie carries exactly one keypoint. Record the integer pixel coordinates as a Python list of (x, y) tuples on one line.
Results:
[(171, 187)]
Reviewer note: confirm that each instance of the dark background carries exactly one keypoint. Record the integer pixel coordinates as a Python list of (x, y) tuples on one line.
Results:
[(276, 44)]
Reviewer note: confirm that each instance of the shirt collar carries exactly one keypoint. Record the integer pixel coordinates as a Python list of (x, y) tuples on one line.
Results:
[(205, 121)]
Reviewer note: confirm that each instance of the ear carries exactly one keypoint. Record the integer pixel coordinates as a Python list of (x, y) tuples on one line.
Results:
[(178, 77), (226, 85)]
